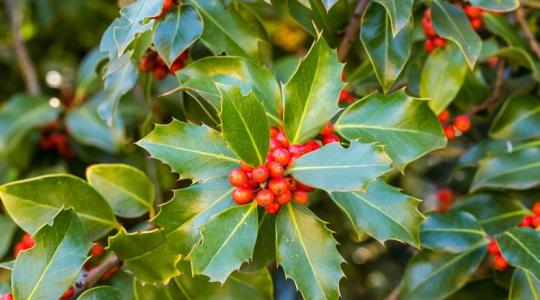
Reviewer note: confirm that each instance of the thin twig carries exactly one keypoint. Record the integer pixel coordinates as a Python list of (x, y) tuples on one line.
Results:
[(14, 14), (91, 278), (351, 31), (494, 97), (533, 43)]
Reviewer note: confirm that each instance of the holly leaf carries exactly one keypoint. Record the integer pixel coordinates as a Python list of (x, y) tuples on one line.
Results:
[(498, 6), (453, 232), (452, 23), (307, 252), (388, 54), (244, 125), (265, 247), (147, 255), (400, 11), (101, 293), (521, 248), (436, 275), (494, 212), (176, 32), (312, 92), (480, 150), (199, 78), (519, 170), (518, 119), (406, 126), (383, 212), (127, 189), (228, 239), (183, 216), (48, 269), (7, 230), (334, 168), (524, 286), (31, 203), (519, 57), (195, 152), (500, 26), (443, 74)]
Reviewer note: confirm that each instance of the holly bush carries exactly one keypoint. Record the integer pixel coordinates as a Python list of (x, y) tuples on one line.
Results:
[(211, 149)]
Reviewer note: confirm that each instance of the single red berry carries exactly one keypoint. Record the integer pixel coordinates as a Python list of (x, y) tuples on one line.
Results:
[(445, 195), (97, 250), (536, 221), (499, 263), (264, 197), (18, 248), (343, 76), (183, 56), (284, 198), (146, 64), (477, 23), (526, 222), (444, 116), (492, 61), (493, 248), (536, 208), (304, 187), (345, 96), (330, 139), (301, 196), (245, 167), (462, 123), (260, 174), (328, 129), (273, 208), (473, 11), (449, 132), (311, 146), (282, 139), (439, 42), (292, 183), (273, 132), (297, 150), (429, 45), (176, 66), (238, 178), (160, 72), (252, 183), (242, 195), (278, 186), (8, 296), (281, 156), (274, 144), (27, 241), (110, 273), (68, 294), (427, 14), (275, 169)]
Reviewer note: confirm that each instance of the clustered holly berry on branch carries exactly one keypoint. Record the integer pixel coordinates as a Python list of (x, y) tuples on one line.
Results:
[(55, 137), (445, 197), (461, 123), (474, 13), (534, 220), (499, 263), (269, 184), (152, 62)]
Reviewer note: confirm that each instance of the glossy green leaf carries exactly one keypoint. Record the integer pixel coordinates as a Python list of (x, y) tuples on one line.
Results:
[(334, 168), (195, 152), (33, 202), (176, 32), (7, 230), (101, 293), (147, 255), (453, 231), (312, 92), (228, 239), (388, 54), (240, 72), (265, 247), (383, 212), (521, 248), (183, 216), (307, 252), (479, 151), (433, 275), (48, 269), (498, 5), (518, 119), (499, 25), (524, 286), (127, 189), (442, 77), (406, 126), (244, 125), (400, 12), (452, 23), (516, 170), (521, 58), (494, 212)]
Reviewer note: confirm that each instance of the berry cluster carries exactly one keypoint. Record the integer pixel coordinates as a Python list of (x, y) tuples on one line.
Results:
[(152, 62), (534, 220), (445, 196), (433, 40), (461, 123), (474, 13), (269, 184), (55, 137), (167, 5), (499, 263)]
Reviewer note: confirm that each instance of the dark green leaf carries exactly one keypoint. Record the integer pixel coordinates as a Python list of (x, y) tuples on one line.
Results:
[(195, 152), (48, 269), (500, 26), (34, 202), (101, 293), (334, 168), (484, 288), (311, 94), (7, 230), (406, 126), (388, 54), (524, 286), (244, 125), (452, 23), (400, 11), (383, 212), (521, 248), (498, 5), (479, 151), (454, 231), (518, 119), (176, 32), (307, 252), (265, 247), (228, 239)]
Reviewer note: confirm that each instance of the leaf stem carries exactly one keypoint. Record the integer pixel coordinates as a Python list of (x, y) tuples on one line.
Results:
[(351, 31)]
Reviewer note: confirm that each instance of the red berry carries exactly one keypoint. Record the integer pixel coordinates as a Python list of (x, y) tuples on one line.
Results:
[(473, 11), (304, 187), (6, 297), (146, 64), (110, 273), (444, 116), (260, 174), (462, 123), (274, 144), (536, 221), (345, 96), (264, 197), (238, 178), (429, 45), (281, 156), (97, 250), (499, 263), (536, 208), (330, 139), (310, 146), (493, 248), (282, 139), (477, 23), (526, 222), (27, 241), (160, 72), (439, 42), (68, 294), (242, 195), (429, 31), (284, 198), (343, 76), (275, 169), (245, 167), (278, 186), (292, 182), (273, 208), (17, 249), (427, 14), (297, 150), (492, 61), (449, 132), (176, 66), (328, 129), (301, 196), (273, 132), (445, 195)]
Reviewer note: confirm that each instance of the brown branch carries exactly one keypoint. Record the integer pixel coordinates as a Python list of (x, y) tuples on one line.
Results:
[(14, 14), (533, 43), (494, 97), (91, 278), (351, 31)]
